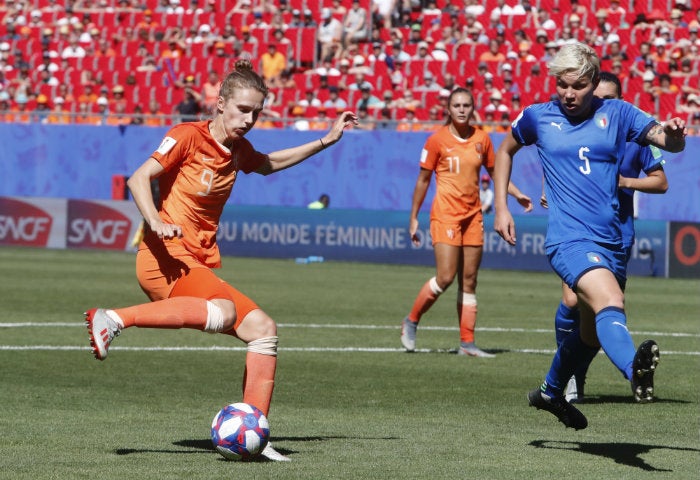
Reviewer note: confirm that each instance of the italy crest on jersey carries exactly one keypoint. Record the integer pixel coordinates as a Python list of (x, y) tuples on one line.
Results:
[(601, 120)]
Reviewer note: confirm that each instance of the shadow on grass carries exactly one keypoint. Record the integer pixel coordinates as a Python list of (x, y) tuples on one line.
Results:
[(622, 453), (205, 446)]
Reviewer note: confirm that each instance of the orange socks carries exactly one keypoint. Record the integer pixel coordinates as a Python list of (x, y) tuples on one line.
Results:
[(466, 311), (427, 296), (175, 312), (259, 380)]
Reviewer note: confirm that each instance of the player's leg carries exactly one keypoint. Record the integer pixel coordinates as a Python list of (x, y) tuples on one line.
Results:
[(259, 332), (605, 296), (198, 300), (567, 316), (466, 301), (446, 261)]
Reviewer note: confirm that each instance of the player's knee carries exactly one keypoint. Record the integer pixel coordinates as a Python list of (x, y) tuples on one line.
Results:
[(221, 315), (444, 281)]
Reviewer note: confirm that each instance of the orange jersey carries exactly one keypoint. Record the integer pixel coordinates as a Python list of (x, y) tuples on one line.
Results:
[(457, 164), (198, 179)]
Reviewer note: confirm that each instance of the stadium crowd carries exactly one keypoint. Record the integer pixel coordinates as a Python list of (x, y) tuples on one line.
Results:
[(158, 62)]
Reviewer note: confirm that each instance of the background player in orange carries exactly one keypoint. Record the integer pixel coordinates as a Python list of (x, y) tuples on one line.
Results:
[(196, 166), (456, 153)]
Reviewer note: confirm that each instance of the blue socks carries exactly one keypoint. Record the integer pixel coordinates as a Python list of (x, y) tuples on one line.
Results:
[(611, 325), (566, 320), (571, 355)]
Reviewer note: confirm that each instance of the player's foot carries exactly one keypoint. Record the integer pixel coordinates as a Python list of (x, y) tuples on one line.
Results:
[(408, 334), (573, 393), (102, 331), (272, 454), (643, 367), (473, 351), (567, 414)]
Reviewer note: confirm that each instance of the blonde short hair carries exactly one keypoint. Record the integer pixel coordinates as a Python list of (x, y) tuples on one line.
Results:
[(576, 58)]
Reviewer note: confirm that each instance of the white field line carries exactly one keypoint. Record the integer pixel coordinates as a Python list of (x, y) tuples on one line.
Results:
[(366, 327), (73, 348), (313, 349)]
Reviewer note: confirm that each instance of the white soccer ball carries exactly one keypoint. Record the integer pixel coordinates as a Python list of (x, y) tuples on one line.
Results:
[(240, 431)]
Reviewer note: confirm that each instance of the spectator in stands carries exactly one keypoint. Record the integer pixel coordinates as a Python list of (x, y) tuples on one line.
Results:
[(360, 82), (495, 105), (422, 52), (407, 100), (309, 20), (334, 101), (439, 52), (659, 52), (359, 65), (296, 20), (321, 120), (355, 24), (47, 63), (429, 84), (175, 49), (210, 92), (117, 117), (310, 100), (118, 99), (272, 64), (154, 117), (338, 9), (58, 114), (189, 108), (493, 54), (448, 82), (367, 99), (614, 51), (365, 121), (73, 49), (415, 34), (258, 22), (665, 85), (137, 117), (602, 28), (329, 32), (409, 123)]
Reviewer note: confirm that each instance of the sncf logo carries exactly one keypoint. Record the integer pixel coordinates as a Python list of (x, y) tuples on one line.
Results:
[(91, 225), (23, 224)]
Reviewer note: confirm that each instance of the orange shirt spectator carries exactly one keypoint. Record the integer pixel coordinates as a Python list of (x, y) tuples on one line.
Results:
[(58, 115), (273, 64)]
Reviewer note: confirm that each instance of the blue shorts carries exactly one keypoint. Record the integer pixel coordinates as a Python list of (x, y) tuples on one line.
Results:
[(573, 259)]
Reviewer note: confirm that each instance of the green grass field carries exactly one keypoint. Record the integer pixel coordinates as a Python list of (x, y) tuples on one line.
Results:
[(349, 403)]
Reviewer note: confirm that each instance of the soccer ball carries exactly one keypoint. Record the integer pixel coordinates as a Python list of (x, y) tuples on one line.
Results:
[(240, 431)]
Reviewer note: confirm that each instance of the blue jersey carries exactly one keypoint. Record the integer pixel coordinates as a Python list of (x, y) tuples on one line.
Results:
[(637, 159), (581, 161)]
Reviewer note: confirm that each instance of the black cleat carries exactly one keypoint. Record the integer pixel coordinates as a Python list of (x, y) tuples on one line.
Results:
[(643, 367), (567, 414)]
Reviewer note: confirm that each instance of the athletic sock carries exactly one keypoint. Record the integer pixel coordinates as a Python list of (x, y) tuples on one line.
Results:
[(259, 380), (565, 321), (176, 312), (427, 296), (611, 326), (466, 312), (570, 355)]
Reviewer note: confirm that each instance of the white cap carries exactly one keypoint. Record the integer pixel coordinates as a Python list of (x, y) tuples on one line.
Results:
[(326, 13), (648, 76)]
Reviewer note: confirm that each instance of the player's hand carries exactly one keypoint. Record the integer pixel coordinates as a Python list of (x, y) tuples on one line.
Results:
[(526, 202), (344, 120), (413, 231), (504, 225), (166, 231)]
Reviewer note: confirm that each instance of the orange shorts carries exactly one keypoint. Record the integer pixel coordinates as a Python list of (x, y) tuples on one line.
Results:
[(469, 232), (184, 276)]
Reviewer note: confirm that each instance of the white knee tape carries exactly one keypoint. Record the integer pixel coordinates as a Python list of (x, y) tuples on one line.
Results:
[(264, 346), (435, 287), (215, 319), (467, 299)]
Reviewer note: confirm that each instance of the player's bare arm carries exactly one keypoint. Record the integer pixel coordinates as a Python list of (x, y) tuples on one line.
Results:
[(669, 136), (503, 222), (654, 182), (289, 157), (140, 187)]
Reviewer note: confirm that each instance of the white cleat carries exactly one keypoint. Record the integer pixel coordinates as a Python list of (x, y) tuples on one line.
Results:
[(273, 455), (472, 350), (408, 334), (102, 330)]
